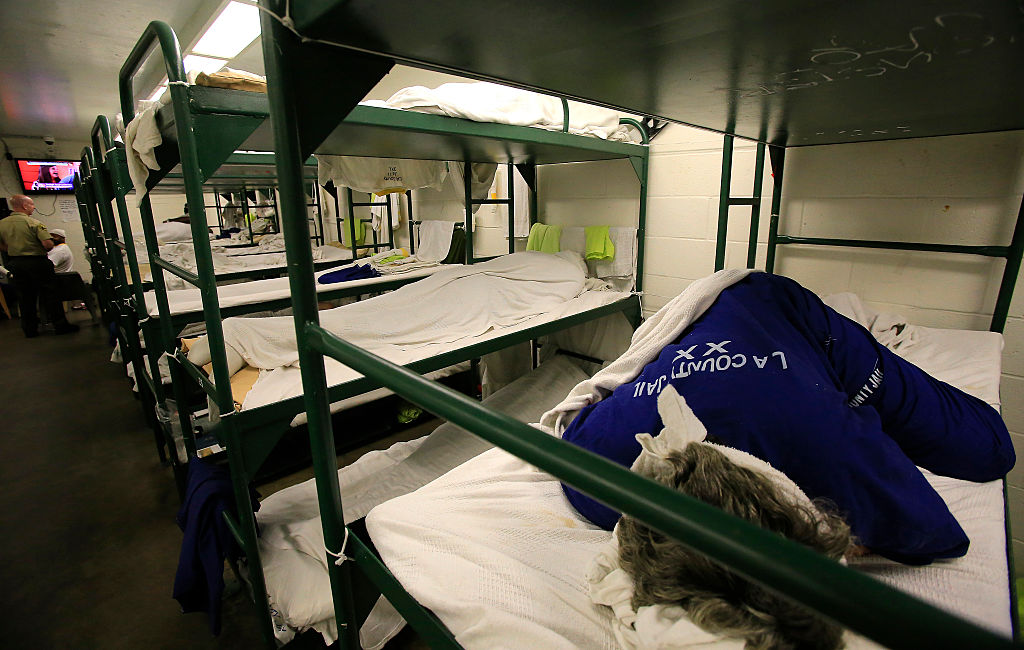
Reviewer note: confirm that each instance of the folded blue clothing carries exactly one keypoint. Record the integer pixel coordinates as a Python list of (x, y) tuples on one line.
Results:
[(771, 370), (350, 272)]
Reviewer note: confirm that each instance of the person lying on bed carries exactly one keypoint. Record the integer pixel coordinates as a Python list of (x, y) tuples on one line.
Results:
[(769, 369), (667, 575)]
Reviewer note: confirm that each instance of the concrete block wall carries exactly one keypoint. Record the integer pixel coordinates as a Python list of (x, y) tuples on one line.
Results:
[(958, 189)]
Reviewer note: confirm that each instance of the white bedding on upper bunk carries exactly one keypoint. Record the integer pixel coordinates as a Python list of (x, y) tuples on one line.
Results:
[(437, 314), (496, 551), (483, 101), (233, 260), (284, 383), (291, 539), (183, 301)]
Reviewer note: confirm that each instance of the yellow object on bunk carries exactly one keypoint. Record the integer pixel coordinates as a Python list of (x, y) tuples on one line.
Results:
[(346, 232), (599, 245), (544, 238)]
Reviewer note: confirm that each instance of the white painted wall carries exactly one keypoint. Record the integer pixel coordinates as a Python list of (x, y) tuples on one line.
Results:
[(961, 189)]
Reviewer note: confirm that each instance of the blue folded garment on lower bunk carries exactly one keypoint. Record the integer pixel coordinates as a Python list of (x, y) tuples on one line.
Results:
[(348, 273), (199, 581), (771, 370)]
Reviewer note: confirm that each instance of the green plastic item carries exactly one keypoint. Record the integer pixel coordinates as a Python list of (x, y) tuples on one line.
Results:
[(599, 245), (544, 238), (408, 413), (345, 230)]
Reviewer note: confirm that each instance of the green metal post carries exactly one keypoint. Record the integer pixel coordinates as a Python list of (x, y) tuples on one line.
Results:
[(467, 184), (755, 207), (283, 95), (778, 159), (510, 188), (641, 222), (1010, 271), (411, 222), (353, 244), (723, 203)]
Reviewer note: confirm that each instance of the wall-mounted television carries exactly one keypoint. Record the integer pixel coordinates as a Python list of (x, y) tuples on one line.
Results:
[(46, 175)]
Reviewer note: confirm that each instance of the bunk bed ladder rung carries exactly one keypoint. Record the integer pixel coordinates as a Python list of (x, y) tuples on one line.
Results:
[(726, 201)]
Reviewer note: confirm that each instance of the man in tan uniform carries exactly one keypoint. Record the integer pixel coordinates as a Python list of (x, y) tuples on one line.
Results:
[(26, 241)]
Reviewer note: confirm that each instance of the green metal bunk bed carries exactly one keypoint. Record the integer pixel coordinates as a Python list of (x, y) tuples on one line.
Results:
[(211, 123), (168, 407), (740, 69)]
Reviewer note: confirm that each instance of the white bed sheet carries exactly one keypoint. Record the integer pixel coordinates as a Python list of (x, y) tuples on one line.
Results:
[(483, 101), (495, 550), (284, 383), (227, 260), (291, 541), (183, 301)]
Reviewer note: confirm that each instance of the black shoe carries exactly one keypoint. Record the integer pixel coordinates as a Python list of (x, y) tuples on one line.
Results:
[(31, 335), (67, 328)]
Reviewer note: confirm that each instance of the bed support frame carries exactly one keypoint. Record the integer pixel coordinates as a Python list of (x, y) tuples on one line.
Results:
[(839, 593), (1011, 253), (249, 435)]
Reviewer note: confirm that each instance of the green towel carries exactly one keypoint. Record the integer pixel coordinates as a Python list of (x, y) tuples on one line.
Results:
[(599, 244), (360, 232), (544, 238)]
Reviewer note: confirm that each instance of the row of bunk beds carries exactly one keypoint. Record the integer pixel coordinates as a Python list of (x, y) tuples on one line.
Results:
[(249, 432), (514, 554)]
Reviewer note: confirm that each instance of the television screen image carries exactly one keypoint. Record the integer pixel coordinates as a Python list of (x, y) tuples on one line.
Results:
[(47, 175)]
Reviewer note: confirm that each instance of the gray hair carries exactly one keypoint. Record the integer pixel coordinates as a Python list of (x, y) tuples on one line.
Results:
[(716, 599)]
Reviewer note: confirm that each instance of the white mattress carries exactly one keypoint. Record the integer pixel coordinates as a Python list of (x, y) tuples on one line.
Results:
[(482, 101), (284, 383), (495, 550), (232, 260), (291, 542), (183, 301)]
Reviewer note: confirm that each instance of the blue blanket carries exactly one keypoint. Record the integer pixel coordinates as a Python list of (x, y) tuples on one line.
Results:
[(773, 371), (350, 272)]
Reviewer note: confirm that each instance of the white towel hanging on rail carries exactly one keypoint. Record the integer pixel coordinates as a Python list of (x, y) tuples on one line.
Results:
[(435, 240), (381, 175)]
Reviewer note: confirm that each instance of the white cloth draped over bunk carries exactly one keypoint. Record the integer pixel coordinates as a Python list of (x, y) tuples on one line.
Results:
[(378, 213), (480, 182), (380, 175), (623, 238), (141, 138), (483, 101), (435, 239), (500, 292)]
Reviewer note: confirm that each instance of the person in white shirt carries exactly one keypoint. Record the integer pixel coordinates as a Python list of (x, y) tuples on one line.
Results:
[(60, 254)]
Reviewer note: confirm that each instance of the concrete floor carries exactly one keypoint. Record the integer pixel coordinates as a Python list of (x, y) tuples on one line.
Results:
[(90, 545)]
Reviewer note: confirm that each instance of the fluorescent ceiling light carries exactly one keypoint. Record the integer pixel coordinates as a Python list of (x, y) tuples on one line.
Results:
[(235, 28), (195, 63)]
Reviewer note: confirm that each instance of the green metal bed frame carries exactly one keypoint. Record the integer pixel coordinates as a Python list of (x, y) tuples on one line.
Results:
[(346, 36), (209, 124), (1011, 253)]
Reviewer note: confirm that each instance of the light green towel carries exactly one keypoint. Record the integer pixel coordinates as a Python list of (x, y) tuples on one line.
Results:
[(360, 232), (544, 238), (599, 245)]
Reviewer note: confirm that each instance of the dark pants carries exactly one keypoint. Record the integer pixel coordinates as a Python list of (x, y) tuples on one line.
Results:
[(34, 276)]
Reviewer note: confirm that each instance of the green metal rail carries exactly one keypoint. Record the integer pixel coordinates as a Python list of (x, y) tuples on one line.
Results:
[(1011, 253)]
